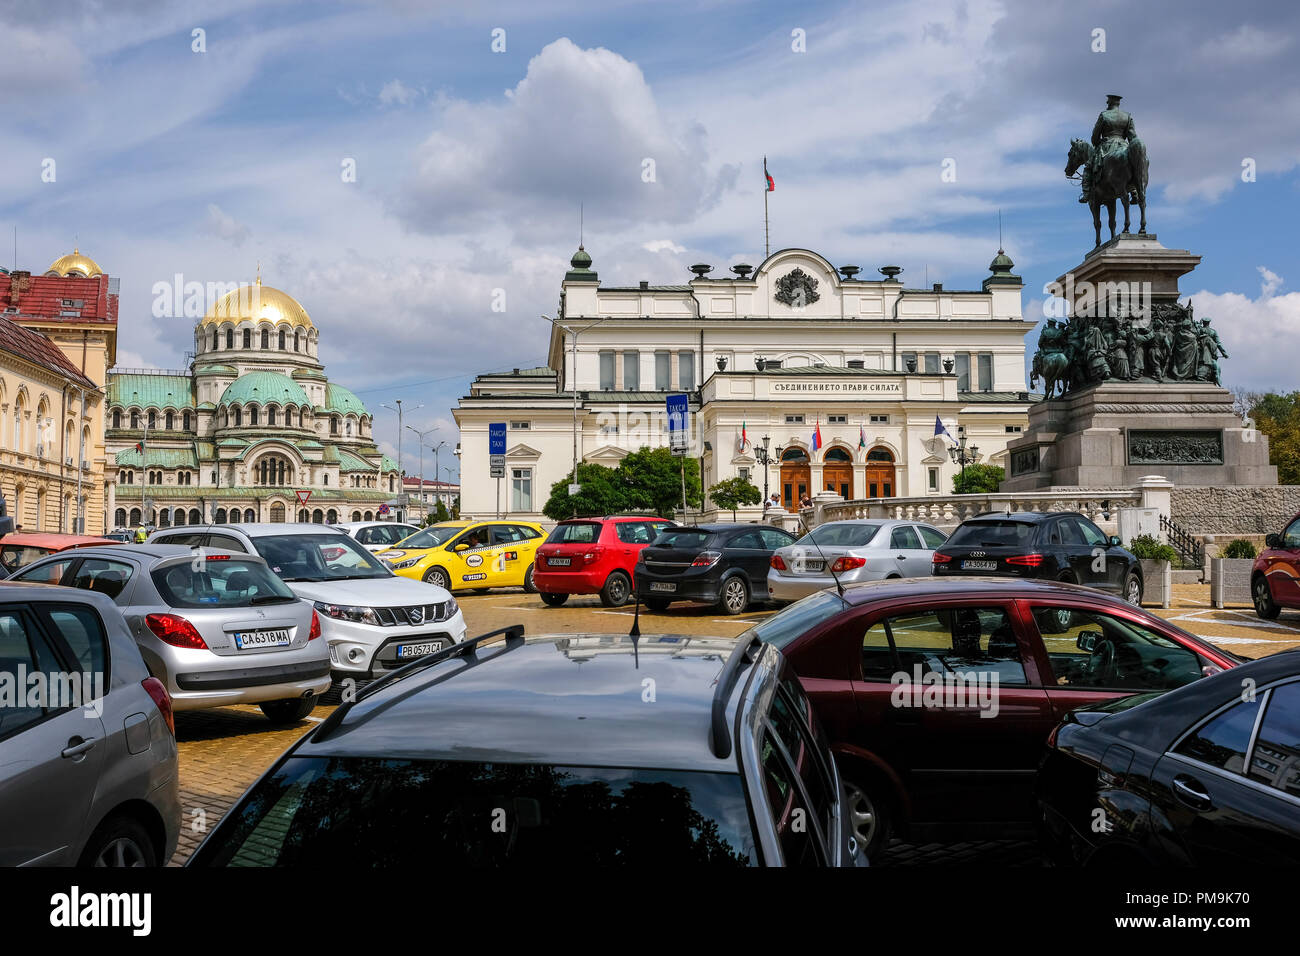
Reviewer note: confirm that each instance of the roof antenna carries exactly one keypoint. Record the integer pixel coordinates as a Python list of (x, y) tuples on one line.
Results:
[(826, 564), (581, 225), (999, 230)]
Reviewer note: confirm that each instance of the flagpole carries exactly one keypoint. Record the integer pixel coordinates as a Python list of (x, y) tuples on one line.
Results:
[(767, 236), (143, 440)]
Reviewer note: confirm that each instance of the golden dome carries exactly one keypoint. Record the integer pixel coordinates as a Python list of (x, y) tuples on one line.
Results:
[(258, 303), (75, 264)]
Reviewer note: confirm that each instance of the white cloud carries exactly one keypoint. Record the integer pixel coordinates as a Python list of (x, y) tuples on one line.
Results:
[(1246, 44), (395, 92), (222, 225), (663, 245), (1257, 334), (1272, 281)]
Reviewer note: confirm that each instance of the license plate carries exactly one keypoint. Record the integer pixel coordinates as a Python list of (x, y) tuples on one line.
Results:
[(979, 565), (813, 564), (663, 586), (559, 562), (245, 640), (405, 651)]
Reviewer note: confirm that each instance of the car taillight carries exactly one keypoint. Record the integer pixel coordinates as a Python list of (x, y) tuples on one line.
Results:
[(155, 689), (777, 562), (591, 556), (314, 632), (706, 559), (940, 558), (175, 630), (847, 563), (216, 557), (1026, 560)]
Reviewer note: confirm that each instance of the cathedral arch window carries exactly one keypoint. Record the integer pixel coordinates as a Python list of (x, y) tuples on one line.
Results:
[(117, 418), (135, 419), (296, 340), (170, 421), (273, 470), (153, 418), (237, 419), (248, 338), (282, 340), (252, 415), (230, 338), (185, 421), (266, 339)]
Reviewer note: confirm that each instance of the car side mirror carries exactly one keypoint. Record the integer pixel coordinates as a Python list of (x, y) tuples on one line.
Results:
[(461, 546), (1114, 541), (1271, 541), (1087, 640)]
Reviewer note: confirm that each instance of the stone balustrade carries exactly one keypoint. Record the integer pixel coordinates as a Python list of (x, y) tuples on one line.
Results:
[(948, 511)]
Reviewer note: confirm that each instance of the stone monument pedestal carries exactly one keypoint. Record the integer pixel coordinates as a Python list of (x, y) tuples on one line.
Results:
[(1113, 434)]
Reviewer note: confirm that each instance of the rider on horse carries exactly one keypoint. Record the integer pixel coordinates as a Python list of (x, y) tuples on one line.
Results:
[(1111, 134)]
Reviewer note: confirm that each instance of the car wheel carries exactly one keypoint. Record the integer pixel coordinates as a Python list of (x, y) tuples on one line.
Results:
[(529, 586), (1133, 589), (120, 842), (656, 604), (439, 577), (553, 600), (868, 814), (615, 591), (288, 711), (735, 596), (1265, 606)]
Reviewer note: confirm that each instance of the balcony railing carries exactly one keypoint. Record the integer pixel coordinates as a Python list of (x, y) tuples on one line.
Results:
[(948, 511)]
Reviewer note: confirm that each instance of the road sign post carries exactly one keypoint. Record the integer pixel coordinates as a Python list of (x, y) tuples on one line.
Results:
[(678, 408), (497, 456)]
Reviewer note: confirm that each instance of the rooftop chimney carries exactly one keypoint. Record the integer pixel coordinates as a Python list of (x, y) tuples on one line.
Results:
[(645, 283)]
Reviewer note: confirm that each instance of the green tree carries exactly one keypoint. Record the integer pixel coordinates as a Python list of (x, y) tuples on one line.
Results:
[(977, 479), (652, 479), (1278, 417), (730, 493), (455, 508), (602, 493)]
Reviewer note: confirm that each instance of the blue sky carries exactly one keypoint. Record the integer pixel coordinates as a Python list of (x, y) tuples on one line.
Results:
[(472, 163)]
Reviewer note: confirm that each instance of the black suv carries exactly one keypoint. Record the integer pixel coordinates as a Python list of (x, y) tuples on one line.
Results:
[(722, 564), (1060, 546), (566, 749)]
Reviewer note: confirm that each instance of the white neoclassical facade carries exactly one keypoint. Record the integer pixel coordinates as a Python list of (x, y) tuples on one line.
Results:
[(787, 350)]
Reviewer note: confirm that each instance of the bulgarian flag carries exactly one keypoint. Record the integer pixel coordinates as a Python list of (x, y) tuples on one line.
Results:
[(771, 183), (744, 435), (817, 436), (139, 446), (862, 438)]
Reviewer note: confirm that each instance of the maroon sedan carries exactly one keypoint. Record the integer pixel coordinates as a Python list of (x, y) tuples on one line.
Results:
[(938, 698)]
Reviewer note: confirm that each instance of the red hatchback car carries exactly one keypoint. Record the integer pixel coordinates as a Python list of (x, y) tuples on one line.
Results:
[(593, 556), (1275, 578), (938, 700)]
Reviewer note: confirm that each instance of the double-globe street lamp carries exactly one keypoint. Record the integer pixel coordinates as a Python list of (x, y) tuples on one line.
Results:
[(420, 441), (396, 407), (765, 459), (963, 455)]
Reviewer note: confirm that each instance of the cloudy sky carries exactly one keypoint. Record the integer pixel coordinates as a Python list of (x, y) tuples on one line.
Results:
[(476, 130)]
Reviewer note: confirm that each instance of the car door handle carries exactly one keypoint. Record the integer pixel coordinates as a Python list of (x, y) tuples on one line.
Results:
[(902, 557), (77, 749), (1192, 792)]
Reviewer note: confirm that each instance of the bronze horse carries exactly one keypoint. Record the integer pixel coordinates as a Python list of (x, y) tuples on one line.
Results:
[(1119, 177), (1054, 368)]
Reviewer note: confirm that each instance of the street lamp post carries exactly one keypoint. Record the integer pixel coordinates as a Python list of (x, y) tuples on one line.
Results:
[(962, 455), (436, 449), (398, 403), (420, 436), (573, 377), (448, 469), (765, 459)]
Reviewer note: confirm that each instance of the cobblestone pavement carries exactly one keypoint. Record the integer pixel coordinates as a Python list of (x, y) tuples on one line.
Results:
[(223, 751)]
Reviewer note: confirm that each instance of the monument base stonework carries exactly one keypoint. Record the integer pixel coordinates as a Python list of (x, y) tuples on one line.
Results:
[(1112, 434)]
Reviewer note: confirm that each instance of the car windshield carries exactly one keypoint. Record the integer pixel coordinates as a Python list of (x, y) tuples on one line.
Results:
[(993, 534), (683, 539), (575, 532), (219, 581), (430, 537), (841, 534), (375, 812), (797, 618), (16, 556), (319, 557)]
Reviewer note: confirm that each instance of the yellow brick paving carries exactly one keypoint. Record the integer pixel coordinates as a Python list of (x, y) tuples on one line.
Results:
[(222, 751)]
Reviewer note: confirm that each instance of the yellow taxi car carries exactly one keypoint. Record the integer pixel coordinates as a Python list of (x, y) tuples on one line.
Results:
[(458, 555)]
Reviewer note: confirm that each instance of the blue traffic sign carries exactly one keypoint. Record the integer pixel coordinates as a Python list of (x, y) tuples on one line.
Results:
[(497, 438), (678, 420)]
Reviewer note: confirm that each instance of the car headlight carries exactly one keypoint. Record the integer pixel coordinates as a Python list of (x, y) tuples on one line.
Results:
[(408, 563), (346, 612), (452, 608)]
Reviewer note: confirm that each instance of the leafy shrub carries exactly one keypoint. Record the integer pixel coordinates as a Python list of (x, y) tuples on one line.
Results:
[(1239, 548), (1147, 547)]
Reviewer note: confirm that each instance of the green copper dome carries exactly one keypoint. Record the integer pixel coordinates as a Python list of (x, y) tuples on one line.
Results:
[(339, 399), (264, 388), (1001, 263)]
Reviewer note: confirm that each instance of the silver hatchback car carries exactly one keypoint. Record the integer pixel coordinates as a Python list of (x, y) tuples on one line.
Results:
[(856, 550), (88, 765), (216, 628)]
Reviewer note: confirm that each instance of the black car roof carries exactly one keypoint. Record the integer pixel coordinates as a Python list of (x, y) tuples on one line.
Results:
[(973, 586), (1162, 719), (1028, 517), (574, 699)]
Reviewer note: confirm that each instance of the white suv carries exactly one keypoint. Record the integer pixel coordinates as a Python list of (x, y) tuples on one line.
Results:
[(374, 621)]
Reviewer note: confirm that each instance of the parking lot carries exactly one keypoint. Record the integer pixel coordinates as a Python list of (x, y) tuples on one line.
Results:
[(224, 750)]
